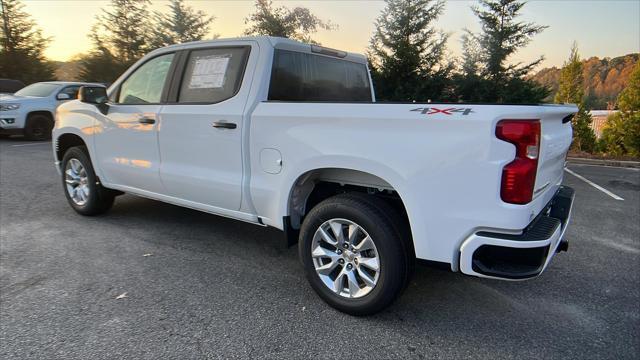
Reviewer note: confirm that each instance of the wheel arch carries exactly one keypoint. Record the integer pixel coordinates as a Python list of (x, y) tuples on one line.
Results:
[(46, 113), (309, 181), (66, 141), (319, 183), (316, 185)]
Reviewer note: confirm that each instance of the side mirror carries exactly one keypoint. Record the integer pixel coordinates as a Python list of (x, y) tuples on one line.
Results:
[(93, 94), (96, 95), (63, 96)]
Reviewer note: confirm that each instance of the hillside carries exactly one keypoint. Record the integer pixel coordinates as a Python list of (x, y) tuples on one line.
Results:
[(603, 78)]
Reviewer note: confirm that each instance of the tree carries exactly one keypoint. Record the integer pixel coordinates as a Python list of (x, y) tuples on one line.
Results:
[(22, 54), (407, 52), (119, 38), (621, 135), (296, 24), (571, 90), (470, 86), (69, 70), (604, 79), (181, 24), (501, 37), (570, 85), (101, 66)]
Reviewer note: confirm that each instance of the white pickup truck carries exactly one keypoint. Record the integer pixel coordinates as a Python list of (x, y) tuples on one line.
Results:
[(279, 133)]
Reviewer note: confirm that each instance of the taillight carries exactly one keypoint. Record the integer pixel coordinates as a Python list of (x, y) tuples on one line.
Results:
[(519, 176)]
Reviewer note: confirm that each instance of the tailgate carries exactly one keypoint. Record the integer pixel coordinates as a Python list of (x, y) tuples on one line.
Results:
[(556, 139)]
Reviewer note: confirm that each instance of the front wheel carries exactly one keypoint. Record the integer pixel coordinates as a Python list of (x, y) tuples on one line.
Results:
[(38, 127), (81, 187), (352, 254)]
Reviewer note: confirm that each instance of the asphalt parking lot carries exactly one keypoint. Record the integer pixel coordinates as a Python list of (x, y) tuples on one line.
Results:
[(210, 287)]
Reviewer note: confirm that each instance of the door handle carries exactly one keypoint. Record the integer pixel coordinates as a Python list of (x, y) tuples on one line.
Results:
[(224, 125), (146, 120)]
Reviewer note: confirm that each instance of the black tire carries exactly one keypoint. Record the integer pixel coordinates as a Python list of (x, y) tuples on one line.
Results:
[(38, 127), (375, 217), (402, 226), (100, 199)]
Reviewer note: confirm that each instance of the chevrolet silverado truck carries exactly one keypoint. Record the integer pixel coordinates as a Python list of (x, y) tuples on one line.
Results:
[(279, 133)]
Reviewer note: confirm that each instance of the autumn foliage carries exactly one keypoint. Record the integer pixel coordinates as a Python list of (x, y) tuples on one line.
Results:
[(604, 79)]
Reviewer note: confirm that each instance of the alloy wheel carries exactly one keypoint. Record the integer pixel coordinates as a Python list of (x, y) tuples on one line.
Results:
[(76, 182), (345, 258)]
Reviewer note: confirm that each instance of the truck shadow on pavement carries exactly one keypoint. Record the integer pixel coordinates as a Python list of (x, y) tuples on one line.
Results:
[(441, 298)]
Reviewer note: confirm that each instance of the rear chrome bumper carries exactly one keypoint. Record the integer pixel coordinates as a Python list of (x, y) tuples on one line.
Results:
[(518, 257)]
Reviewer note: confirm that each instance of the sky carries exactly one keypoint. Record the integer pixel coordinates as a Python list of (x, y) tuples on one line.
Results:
[(603, 28)]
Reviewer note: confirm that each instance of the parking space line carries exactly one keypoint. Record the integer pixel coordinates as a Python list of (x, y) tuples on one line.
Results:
[(29, 144), (594, 185), (605, 166)]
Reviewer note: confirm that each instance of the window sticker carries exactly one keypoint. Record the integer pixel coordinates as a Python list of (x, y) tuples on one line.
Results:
[(209, 72)]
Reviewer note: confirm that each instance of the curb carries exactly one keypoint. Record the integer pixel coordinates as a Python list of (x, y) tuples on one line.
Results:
[(601, 162)]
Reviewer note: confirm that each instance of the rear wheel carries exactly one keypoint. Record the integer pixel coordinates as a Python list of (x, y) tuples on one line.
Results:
[(38, 127), (353, 254), (85, 195)]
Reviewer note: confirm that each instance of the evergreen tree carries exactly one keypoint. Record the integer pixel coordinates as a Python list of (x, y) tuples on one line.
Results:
[(472, 59), (469, 83), (570, 85), (119, 38), (621, 135), (22, 54), (407, 52), (181, 24), (571, 90), (297, 23), (501, 37), (101, 66)]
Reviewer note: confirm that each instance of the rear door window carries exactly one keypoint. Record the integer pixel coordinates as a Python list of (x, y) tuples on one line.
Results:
[(213, 75), (297, 76)]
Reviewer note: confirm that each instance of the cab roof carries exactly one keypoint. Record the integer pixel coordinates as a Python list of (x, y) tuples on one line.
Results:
[(277, 43)]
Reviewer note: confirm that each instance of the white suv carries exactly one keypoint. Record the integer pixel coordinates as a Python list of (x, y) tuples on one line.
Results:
[(29, 111)]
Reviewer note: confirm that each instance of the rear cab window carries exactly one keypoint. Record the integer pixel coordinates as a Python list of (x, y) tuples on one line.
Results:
[(297, 76)]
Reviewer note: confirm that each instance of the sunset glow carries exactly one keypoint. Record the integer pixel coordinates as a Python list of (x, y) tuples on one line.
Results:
[(601, 28)]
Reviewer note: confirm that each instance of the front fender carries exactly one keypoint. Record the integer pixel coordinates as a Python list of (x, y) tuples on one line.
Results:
[(77, 118)]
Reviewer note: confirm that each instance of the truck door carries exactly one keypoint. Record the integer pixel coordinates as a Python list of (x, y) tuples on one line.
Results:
[(200, 138), (127, 143)]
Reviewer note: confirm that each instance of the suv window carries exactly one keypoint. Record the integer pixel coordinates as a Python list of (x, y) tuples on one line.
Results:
[(145, 84), (213, 75), (72, 91), (297, 76)]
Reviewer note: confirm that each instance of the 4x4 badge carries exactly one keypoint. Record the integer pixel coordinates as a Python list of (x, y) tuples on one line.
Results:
[(447, 111)]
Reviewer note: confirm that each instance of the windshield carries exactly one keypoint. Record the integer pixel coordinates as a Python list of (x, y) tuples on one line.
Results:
[(38, 90)]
